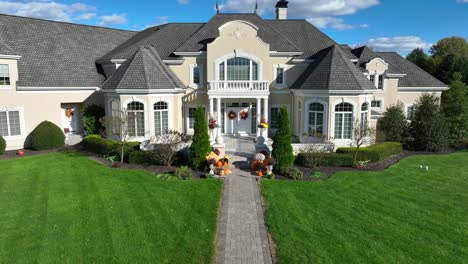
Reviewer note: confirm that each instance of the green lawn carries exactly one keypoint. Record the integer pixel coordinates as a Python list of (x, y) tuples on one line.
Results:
[(402, 215), (65, 208)]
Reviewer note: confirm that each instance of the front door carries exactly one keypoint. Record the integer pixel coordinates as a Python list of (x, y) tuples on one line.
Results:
[(238, 126), (70, 117)]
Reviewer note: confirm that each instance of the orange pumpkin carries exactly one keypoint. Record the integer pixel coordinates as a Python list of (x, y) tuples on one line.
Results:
[(219, 164), (259, 174)]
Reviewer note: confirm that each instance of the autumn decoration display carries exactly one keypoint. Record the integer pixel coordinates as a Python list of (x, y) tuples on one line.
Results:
[(244, 115), (68, 112), (232, 115)]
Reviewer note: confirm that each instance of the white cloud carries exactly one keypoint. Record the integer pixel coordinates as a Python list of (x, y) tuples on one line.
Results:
[(334, 22), (44, 9), (322, 13), (113, 19), (462, 1), (401, 43), (86, 16), (183, 2), (160, 20)]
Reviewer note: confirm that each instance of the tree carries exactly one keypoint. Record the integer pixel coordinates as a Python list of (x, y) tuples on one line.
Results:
[(455, 108), (428, 128), (201, 141), (450, 55), (282, 148), (362, 135), (420, 58), (116, 126), (167, 145), (394, 124), (91, 117)]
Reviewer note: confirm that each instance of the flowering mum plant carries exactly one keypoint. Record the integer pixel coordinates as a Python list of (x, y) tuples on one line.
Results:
[(362, 164), (263, 123), (212, 124)]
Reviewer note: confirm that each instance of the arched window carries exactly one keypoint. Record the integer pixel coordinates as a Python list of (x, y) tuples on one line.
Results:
[(343, 121), (238, 69), (161, 118), (136, 119), (316, 119)]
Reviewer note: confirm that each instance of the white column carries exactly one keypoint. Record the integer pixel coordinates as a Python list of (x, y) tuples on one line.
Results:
[(211, 107), (259, 113), (218, 118), (265, 115)]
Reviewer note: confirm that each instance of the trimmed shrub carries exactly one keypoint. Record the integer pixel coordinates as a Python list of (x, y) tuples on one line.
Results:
[(142, 157), (375, 153), (282, 148), (201, 141), (91, 117), (292, 173), (2, 145), (326, 160), (184, 173), (47, 136), (393, 124), (103, 146)]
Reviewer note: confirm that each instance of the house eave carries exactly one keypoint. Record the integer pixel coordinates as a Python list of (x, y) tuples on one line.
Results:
[(332, 92), (190, 53), (285, 53), (55, 89), (422, 89), (10, 57), (145, 91)]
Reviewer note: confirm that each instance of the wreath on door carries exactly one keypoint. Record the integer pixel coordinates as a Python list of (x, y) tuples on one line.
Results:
[(232, 115), (68, 112), (244, 115)]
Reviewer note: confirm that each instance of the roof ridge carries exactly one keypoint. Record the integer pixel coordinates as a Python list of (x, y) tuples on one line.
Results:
[(64, 22), (264, 21), (345, 60), (161, 65)]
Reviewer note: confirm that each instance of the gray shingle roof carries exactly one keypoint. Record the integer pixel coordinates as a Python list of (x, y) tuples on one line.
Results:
[(332, 70), (415, 76), (145, 70), (57, 54), (6, 50), (209, 31), (305, 36), (365, 55), (165, 39)]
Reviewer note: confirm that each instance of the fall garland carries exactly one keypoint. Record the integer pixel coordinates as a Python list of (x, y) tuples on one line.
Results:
[(232, 115), (69, 112), (244, 115)]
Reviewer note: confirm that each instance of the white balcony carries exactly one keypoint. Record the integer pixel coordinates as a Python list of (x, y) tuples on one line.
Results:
[(240, 89)]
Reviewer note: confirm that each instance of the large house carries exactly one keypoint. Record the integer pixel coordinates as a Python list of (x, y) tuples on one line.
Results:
[(235, 65)]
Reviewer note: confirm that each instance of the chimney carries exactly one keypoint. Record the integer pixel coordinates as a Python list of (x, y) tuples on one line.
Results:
[(282, 10)]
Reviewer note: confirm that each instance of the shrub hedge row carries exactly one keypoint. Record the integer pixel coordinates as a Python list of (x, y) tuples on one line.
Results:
[(326, 160), (142, 157), (103, 146), (375, 153)]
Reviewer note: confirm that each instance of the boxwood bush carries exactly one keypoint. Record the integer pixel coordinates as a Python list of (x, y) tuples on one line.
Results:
[(142, 157), (2, 145), (375, 153), (327, 160), (103, 146), (292, 173), (47, 136)]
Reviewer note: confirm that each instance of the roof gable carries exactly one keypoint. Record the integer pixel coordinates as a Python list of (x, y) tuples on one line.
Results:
[(145, 70), (333, 70)]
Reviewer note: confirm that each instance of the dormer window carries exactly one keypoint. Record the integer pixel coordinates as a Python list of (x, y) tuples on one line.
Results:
[(372, 78), (195, 75), (279, 75), (4, 74), (380, 82)]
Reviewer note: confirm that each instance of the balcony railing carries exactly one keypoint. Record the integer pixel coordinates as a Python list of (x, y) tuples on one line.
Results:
[(238, 86)]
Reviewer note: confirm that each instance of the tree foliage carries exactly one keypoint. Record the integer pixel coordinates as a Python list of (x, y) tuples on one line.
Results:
[(455, 108), (91, 118), (282, 148), (428, 129), (394, 124), (420, 58), (201, 141)]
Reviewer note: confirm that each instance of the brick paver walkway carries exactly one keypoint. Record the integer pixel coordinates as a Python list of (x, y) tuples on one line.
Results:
[(242, 235)]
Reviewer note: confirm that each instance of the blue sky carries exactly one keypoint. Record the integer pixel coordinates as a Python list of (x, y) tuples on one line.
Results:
[(399, 25)]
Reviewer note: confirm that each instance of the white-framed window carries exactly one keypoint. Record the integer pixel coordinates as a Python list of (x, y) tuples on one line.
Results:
[(279, 76), (372, 78), (274, 113), (380, 82), (376, 104), (238, 69), (11, 122), (344, 121), (136, 119), (4, 74), (410, 111), (161, 118), (196, 75), (316, 119), (364, 115)]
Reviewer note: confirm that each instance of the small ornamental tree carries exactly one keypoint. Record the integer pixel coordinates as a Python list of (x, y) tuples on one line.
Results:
[(201, 141), (91, 118), (362, 135), (116, 127), (428, 128), (282, 148), (394, 124), (455, 108)]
